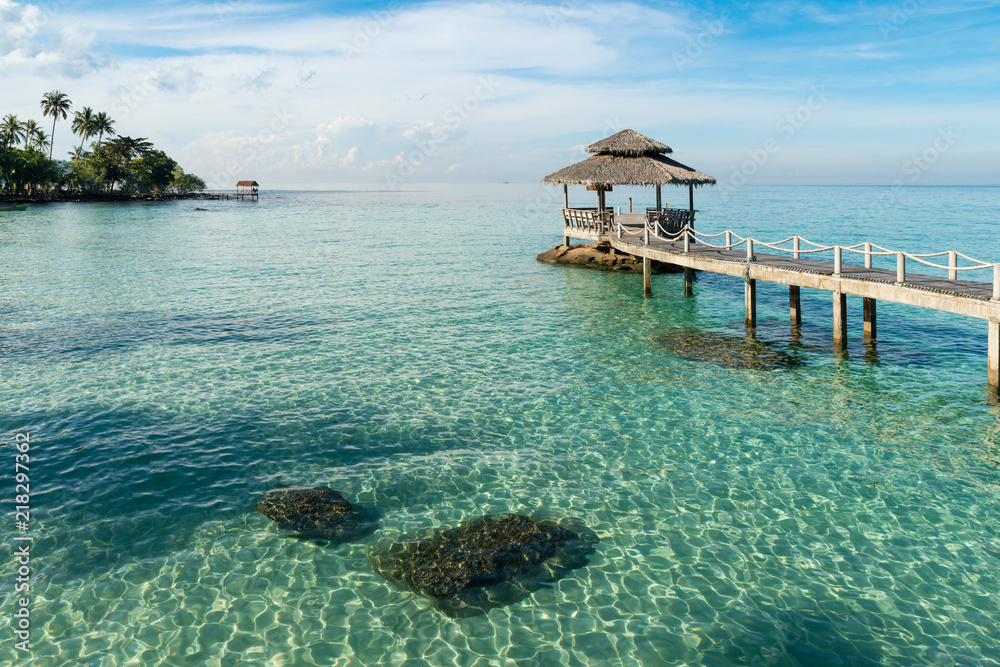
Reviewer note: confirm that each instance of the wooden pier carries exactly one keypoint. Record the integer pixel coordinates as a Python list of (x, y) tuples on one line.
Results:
[(789, 262), (668, 235)]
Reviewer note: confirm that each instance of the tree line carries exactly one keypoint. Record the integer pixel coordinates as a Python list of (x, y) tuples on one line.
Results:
[(111, 164)]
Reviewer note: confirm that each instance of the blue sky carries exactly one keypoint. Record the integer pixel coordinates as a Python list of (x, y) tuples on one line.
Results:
[(310, 94)]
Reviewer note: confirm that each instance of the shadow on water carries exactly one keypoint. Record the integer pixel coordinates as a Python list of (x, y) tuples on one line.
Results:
[(746, 352), (814, 338), (138, 330), (774, 345)]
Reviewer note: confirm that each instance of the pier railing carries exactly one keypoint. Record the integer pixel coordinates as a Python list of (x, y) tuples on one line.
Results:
[(802, 246)]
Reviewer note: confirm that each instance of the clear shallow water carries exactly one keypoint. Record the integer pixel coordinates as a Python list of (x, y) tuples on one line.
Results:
[(406, 349)]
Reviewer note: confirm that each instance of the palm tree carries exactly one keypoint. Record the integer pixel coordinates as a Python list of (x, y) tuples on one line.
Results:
[(57, 105), (40, 139), (83, 124), (29, 127), (103, 125), (11, 130)]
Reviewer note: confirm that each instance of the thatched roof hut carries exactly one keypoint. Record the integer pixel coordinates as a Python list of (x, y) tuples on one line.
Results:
[(246, 189), (629, 158)]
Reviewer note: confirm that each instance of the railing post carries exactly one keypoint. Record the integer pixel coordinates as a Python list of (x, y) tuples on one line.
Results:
[(729, 240), (952, 265), (837, 260), (795, 247), (687, 241), (749, 248), (996, 282), (619, 230), (645, 235), (900, 267), (868, 255)]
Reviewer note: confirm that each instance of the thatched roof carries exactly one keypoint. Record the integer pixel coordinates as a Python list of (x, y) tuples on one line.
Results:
[(629, 142), (629, 158), (247, 184), (606, 169)]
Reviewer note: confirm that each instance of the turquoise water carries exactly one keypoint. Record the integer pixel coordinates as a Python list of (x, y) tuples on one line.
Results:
[(406, 349)]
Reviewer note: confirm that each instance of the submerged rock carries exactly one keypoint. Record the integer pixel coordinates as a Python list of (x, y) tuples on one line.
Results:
[(726, 350), (318, 512), (599, 256), (490, 561)]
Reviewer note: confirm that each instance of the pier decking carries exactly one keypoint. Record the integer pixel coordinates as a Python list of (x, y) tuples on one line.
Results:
[(729, 254)]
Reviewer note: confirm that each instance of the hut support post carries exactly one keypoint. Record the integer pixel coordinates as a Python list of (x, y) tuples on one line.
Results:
[(565, 196), (750, 302), (688, 281), (869, 317), (647, 276), (839, 320), (993, 359), (690, 197), (794, 306), (659, 198)]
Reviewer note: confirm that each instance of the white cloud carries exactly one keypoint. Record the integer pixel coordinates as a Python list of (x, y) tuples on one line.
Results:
[(32, 42), (347, 162), (18, 23)]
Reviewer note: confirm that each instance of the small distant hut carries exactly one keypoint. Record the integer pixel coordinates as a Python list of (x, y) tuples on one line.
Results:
[(246, 189), (626, 158)]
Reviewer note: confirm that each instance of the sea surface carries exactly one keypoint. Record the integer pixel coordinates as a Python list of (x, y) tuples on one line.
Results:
[(406, 349)]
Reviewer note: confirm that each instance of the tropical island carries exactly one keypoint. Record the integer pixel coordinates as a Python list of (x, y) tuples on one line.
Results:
[(112, 167)]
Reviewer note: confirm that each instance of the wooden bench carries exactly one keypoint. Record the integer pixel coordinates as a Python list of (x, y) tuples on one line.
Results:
[(671, 220)]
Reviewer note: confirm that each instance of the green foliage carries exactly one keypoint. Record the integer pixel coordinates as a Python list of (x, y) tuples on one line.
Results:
[(185, 183), (122, 164), (155, 170), (84, 178), (27, 171)]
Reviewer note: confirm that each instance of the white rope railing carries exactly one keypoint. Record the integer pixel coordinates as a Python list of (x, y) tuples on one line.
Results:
[(869, 250)]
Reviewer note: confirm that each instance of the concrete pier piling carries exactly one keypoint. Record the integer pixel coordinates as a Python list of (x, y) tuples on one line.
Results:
[(839, 320), (794, 306), (868, 307)]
